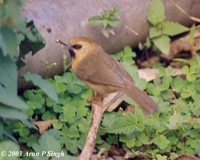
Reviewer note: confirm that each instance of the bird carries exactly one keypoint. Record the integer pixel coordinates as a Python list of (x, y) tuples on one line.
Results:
[(103, 74)]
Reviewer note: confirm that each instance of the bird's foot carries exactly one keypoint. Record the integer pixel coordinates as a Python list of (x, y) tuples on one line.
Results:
[(95, 99)]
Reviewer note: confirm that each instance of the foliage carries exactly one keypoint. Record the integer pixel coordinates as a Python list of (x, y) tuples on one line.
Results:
[(170, 132), (71, 109), (174, 129), (161, 30), (43, 84), (7, 147), (17, 38), (108, 20)]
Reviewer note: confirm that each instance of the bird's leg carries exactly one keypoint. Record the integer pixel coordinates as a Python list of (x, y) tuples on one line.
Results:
[(95, 99)]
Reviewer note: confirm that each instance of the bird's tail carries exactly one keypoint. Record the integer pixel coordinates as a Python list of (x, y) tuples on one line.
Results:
[(142, 99)]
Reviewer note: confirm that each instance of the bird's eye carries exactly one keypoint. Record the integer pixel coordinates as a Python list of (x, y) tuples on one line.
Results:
[(77, 46)]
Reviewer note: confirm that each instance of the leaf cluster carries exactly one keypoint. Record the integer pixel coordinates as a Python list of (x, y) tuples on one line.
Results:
[(161, 30), (174, 129), (17, 38), (108, 20), (71, 109)]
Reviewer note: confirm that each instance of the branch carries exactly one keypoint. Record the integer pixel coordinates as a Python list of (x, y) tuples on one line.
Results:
[(131, 30), (184, 12), (88, 148), (101, 5), (97, 112)]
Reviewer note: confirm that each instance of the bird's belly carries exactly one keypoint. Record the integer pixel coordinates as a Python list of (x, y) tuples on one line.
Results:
[(102, 89)]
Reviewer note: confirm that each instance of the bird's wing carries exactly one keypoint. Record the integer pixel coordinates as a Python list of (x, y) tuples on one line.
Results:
[(100, 68)]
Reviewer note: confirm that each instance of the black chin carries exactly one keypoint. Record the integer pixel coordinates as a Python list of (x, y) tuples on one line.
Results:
[(72, 53)]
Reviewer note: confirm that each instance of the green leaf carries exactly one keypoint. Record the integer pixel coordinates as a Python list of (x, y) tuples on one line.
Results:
[(130, 143), (185, 94), (161, 141), (112, 139), (191, 77), (50, 102), (116, 10), (7, 147), (128, 52), (48, 115), (26, 31), (96, 20), (113, 21), (178, 84), (185, 69), (163, 43), (12, 100), (154, 32), (47, 142), (71, 145), (173, 28), (162, 72), (160, 157), (71, 132), (105, 23), (83, 125), (30, 43), (82, 111), (8, 113), (105, 146), (14, 12), (166, 81), (29, 124), (3, 13), (155, 90), (129, 123), (166, 94), (57, 125), (74, 85), (181, 60), (71, 88), (156, 12), (57, 108), (8, 41), (60, 87), (110, 118), (31, 140), (141, 83), (47, 87), (8, 72), (1, 131), (175, 122)]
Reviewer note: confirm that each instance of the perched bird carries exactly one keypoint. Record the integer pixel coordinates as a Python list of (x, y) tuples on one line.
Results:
[(103, 74)]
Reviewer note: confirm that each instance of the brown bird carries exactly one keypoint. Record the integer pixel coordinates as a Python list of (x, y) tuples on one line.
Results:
[(103, 74)]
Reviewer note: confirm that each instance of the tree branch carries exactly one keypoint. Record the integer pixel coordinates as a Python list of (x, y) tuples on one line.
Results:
[(97, 112)]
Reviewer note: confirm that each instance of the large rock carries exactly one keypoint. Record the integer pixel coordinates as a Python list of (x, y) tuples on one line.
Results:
[(66, 19)]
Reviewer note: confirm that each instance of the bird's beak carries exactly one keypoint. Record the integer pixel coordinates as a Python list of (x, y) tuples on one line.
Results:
[(71, 51)]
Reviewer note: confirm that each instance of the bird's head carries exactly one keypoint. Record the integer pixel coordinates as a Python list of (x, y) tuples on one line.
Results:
[(82, 47)]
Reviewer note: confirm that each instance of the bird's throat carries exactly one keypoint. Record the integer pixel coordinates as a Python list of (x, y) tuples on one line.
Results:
[(72, 53)]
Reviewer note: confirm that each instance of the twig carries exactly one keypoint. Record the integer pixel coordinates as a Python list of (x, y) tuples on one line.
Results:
[(101, 5), (131, 30), (97, 112), (61, 42), (118, 96), (184, 12)]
